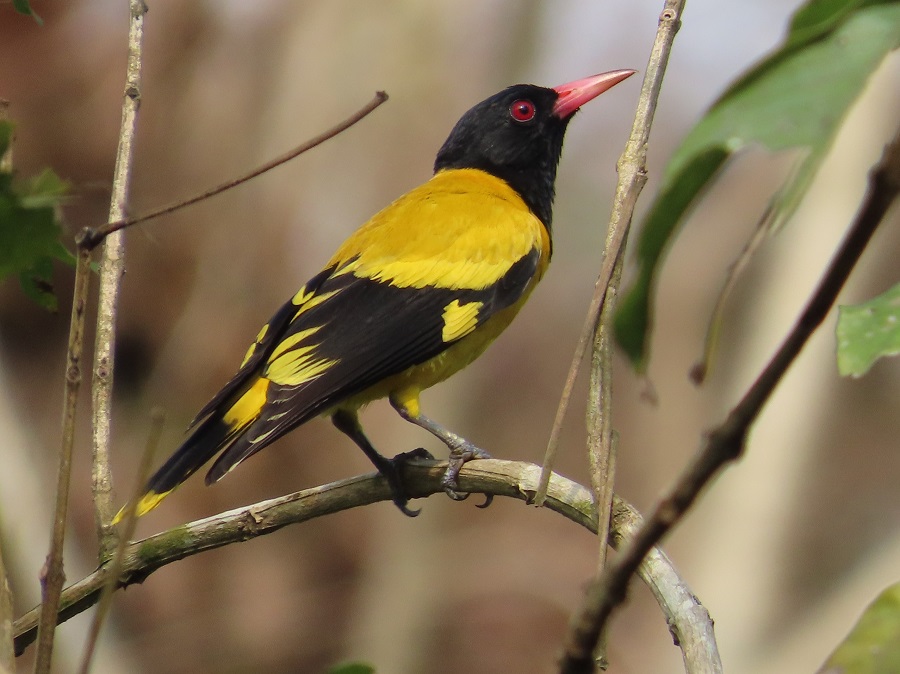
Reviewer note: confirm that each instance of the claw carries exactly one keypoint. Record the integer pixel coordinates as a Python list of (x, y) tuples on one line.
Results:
[(459, 456), (488, 499), (390, 469)]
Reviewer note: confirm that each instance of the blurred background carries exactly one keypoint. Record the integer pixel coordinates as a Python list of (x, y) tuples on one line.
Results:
[(785, 549)]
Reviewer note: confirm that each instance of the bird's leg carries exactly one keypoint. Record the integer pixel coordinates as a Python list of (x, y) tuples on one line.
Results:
[(348, 423), (461, 450)]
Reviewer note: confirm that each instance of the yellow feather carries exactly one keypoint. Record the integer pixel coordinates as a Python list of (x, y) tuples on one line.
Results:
[(461, 229), (248, 406), (459, 319)]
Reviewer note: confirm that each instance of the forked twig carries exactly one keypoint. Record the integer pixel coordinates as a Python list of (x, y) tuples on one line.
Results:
[(726, 443), (632, 176), (90, 237)]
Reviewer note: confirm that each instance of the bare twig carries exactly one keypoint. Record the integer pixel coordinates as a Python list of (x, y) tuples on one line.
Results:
[(116, 564), (700, 369), (89, 237), (7, 656), (726, 443), (52, 575), (422, 478), (111, 269), (632, 176), (600, 439), (7, 659)]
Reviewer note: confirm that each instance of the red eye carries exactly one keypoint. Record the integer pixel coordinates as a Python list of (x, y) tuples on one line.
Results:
[(522, 110)]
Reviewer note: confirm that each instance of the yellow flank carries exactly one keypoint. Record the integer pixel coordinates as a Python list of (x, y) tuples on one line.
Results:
[(461, 229), (248, 406), (404, 388), (297, 366), (459, 319), (147, 503), (407, 399)]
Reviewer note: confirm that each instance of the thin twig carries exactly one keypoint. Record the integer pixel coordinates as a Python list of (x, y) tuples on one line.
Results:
[(129, 523), (726, 443), (7, 658), (52, 575), (90, 237), (422, 478), (112, 266), (7, 655), (600, 440), (701, 368), (632, 176)]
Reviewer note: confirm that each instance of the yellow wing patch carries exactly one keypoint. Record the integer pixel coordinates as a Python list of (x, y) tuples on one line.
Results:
[(308, 301), (252, 349), (297, 366), (459, 319), (247, 408)]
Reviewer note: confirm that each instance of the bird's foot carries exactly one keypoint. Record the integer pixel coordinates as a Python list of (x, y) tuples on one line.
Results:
[(391, 468), (459, 455)]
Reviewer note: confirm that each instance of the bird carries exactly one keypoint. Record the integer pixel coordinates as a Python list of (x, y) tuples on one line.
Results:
[(414, 295)]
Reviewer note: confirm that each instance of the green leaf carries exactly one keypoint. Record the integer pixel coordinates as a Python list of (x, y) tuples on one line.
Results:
[(352, 668), (22, 7), (30, 233), (873, 645), (794, 99), (6, 130), (866, 332)]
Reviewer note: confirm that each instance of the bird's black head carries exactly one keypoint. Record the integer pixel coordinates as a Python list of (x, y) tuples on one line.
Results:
[(517, 135)]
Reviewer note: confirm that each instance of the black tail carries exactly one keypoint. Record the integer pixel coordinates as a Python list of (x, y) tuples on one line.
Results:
[(204, 443)]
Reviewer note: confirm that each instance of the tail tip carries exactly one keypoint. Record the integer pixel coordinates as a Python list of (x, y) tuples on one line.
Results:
[(146, 503)]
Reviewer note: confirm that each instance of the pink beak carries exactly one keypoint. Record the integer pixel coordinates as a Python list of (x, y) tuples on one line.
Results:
[(575, 94)]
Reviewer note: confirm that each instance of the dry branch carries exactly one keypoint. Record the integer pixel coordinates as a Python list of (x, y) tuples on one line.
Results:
[(112, 265), (726, 443), (422, 478), (632, 176)]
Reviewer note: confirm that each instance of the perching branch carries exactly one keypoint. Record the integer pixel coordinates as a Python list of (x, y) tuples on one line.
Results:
[(112, 266), (687, 619), (726, 443), (632, 176), (91, 237)]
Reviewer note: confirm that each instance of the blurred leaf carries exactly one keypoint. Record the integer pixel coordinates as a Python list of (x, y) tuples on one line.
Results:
[(352, 668), (30, 232), (866, 332), (6, 129), (23, 7), (873, 645), (795, 98)]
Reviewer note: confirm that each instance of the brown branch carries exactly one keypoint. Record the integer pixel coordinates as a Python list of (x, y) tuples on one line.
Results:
[(422, 478), (112, 267), (7, 655), (726, 443), (91, 237), (52, 575), (7, 658), (632, 176)]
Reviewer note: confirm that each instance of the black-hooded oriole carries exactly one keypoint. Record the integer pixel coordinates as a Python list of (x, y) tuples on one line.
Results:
[(413, 296)]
